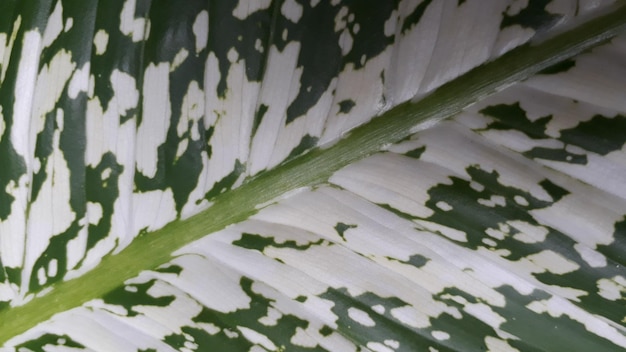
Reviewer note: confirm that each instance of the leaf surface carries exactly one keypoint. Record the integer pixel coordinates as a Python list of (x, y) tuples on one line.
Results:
[(203, 166)]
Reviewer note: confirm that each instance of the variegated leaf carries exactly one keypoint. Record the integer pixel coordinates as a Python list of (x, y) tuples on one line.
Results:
[(190, 177)]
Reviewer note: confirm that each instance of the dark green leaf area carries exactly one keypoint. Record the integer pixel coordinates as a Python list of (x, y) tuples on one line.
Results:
[(416, 260), (513, 117), (70, 121), (14, 275), (414, 18), (179, 173), (369, 40), (346, 105), (221, 341), (229, 338), (79, 38), (534, 16), (12, 168), (228, 32), (306, 143), (7, 16), (51, 266), (13, 165), (471, 214), (170, 269), (600, 135), (46, 341), (3, 274), (562, 66), (321, 56), (102, 188), (586, 279), (259, 243), (399, 213), (416, 153), (341, 229), (258, 117), (368, 318), (171, 29), (543, 331), (129, 296), (556, 155), (171, 32), (475, 211), (121, 52)]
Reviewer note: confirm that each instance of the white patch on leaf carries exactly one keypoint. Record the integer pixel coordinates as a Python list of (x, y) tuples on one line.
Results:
[(51, 82), (291, 10), (212, 286), (449, 232), (201, 30), (13, 228), (94, 212), (100, 41), (129, 25), (24, 93), (280, 72), (245, 8), (528, 233), (485, 314), (54, 26), (552, 262), (495, 344), (378, 347), (612, 289), (180, 57), (407, 315), (192, 111), (360, 317), (69, 23), (152, 131), (52, 206), (380, 309), (301, 338), (153, 209), (79, 81), (558, 306), (125, 91), (594, 258), (257, 338), (440, 335)]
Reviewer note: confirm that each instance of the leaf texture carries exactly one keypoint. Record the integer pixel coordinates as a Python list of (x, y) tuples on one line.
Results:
[(499, 230)]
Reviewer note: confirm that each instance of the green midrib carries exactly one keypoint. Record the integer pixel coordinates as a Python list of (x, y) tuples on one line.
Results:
[(154, 249)]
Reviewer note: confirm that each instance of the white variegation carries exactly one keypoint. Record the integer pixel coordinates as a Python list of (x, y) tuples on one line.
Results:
[(375, 246)]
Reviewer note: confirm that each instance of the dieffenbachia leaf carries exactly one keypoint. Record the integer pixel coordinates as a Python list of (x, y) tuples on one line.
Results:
[(193, 177)]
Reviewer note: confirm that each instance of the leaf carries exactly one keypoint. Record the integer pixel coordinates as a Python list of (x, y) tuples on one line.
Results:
[(213, 176)]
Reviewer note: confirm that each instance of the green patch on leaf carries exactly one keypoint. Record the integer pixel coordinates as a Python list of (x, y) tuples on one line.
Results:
[(46, 341), (534, 15), (341, 228), (513, 117), (307, 142), (416, 153), (561, 67), (133, 295), (346, 105)]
